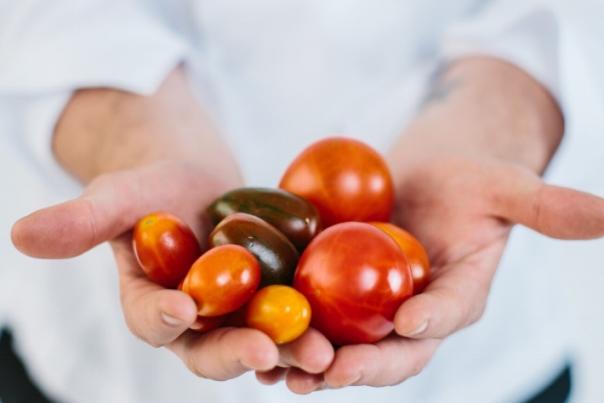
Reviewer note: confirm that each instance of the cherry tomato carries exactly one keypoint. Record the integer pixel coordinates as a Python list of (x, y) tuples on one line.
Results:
[(414, 252), (275, 253), (295, 217), (279, 311), (222, 280), (355, 278), (345, 179), (165, 248)]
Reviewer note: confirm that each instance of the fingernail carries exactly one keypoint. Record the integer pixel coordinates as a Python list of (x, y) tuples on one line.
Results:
[(420, 329), (171, 320)]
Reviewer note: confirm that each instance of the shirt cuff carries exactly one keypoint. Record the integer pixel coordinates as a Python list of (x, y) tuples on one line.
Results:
[(526, 36)]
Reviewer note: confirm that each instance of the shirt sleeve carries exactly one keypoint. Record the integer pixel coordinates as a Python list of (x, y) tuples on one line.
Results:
[(51, 48), (525, 33)]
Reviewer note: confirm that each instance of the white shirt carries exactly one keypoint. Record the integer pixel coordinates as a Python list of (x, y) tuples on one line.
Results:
[(277, 75)]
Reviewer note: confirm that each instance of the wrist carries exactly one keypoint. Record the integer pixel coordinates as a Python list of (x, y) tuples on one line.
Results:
[(104, 130), (484, 107)]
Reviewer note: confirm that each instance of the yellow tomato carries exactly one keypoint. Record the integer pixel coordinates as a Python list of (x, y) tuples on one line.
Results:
[(279, 311)]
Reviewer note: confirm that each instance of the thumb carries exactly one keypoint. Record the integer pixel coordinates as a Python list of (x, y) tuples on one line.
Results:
[(104, 211), (555, 211)]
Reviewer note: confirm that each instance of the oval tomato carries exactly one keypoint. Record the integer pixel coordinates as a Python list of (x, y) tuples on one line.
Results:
[(165, 248), (355, 278), (345, 179), (279, 311), (295, 217), (222, 280), (275, 253), (414, 252)]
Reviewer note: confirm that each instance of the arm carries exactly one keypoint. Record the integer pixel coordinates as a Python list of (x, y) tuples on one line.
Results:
[(466, 170), (141, 154)]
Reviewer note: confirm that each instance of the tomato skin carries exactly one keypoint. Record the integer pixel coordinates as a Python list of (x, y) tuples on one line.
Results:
[(344, 178), (414, 252), (165, 248), (355, 278), (222, 280), (295, 217), (275, 253), (279, 311)]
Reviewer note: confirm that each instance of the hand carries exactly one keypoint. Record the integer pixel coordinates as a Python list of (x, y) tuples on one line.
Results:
[(106, 211), (119, 140), (460, 188)]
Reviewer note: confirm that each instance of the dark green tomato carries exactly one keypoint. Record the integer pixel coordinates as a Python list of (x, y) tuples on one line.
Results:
[(295, 217), (276, 254)]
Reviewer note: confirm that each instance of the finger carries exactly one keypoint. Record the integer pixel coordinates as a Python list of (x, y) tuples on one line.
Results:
[(455, 298), (272, 376), (311, 352), (226, 353), (385, 363), (154, 314), (301, 382), (111, 205), (554, 211)]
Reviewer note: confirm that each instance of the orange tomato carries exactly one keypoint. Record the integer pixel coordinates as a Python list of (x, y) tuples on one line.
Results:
[(414, 252), (222, 280), (279, 311), (345, 179), (165, 248)]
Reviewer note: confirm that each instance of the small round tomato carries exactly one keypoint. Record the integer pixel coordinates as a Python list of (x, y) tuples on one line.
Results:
[(355, 278), (345, 179), (165, 248), (222, 280), (279, 311), (414, 252)]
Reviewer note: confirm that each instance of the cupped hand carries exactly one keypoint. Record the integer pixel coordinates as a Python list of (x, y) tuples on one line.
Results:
[(462, 208), (106, 211)]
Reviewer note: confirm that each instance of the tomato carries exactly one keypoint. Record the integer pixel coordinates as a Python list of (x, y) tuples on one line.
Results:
[(279, 311), (222, 280), (295, 217), (345, 179), (165, 248), (414, 252), (275, 253), (355, 278), (205, 324)]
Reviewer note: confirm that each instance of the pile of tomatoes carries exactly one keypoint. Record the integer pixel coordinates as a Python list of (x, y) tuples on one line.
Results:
[(321, 243)]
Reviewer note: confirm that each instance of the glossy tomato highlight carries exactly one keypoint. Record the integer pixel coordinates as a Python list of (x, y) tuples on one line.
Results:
[(165, 248), (355, 278), (345, 179)]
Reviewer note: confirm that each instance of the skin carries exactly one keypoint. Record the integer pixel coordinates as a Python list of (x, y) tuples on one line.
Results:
[(142, 154), (486, 121)]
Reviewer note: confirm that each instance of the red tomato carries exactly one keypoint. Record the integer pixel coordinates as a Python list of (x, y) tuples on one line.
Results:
[(279, 311), (165, 248), (345, 179), (222, 280), (355, 278), (414, 252)]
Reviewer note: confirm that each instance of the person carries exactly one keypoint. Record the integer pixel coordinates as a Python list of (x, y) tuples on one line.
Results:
[(130, 99)]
